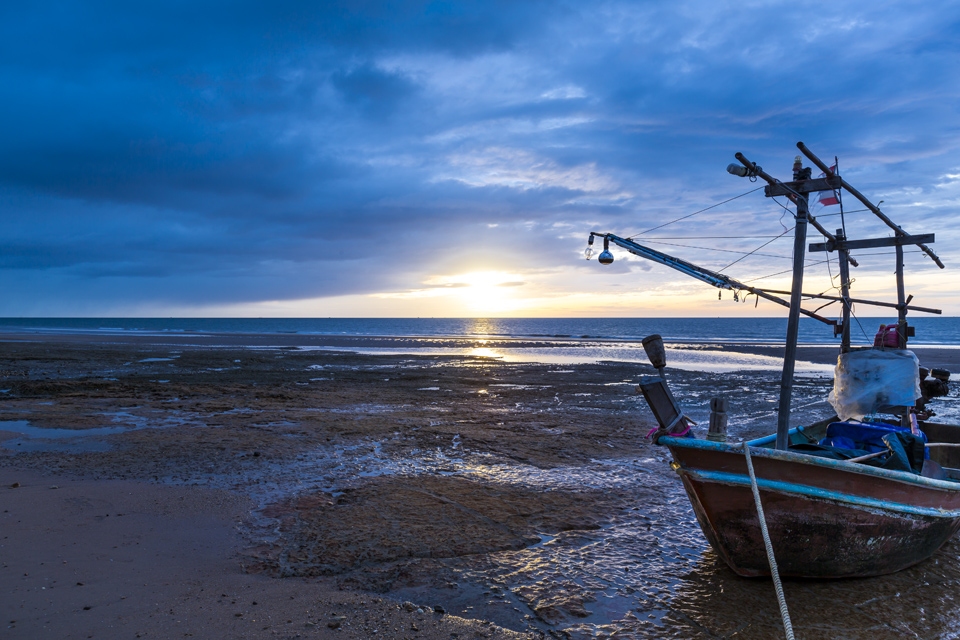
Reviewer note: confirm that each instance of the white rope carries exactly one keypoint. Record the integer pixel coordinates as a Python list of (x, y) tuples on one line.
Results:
[(774, 572)]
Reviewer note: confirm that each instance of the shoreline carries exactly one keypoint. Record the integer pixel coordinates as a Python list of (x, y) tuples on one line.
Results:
[(300, 337), (931, 356)]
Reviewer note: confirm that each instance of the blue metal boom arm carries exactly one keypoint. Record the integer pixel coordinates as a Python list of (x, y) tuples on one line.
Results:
[(704, 275)]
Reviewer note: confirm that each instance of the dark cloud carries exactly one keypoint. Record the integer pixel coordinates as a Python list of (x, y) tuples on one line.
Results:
[(373, 91)]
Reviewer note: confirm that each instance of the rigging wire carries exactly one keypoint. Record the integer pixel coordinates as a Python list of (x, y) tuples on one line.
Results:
[(690, 215), (782, 206), (744, 257), (817, 310), (833, 278), (706, 237), (780, 273), (828, 215), (829, 272), (745, 254), (854, 316), (834, 286), (839, 192)]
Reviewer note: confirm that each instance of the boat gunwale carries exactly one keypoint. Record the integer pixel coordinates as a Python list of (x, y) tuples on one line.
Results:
[(804, 491), (802, 458)]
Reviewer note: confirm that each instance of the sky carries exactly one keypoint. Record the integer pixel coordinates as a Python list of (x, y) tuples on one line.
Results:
[(407, 159)]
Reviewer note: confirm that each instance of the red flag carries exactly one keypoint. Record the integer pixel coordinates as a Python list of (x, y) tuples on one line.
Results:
[(828, 198)]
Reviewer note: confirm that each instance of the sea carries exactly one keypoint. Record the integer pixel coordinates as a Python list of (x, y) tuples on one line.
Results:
[(930, 331), (561, 341)]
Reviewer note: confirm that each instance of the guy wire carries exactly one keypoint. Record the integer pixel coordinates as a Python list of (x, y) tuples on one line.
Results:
[(690, 215)]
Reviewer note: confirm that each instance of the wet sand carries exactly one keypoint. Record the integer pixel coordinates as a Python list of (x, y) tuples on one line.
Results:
[(121, 559), (330, 488)]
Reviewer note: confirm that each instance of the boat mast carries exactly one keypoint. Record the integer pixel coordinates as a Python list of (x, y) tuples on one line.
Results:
[(797, 192), (793, 321)]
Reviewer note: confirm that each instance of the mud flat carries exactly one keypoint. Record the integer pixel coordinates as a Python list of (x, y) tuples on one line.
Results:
[(252, 489)]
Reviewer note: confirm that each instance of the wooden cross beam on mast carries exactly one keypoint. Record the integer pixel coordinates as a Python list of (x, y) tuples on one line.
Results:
[(902, 237), (797, 191)]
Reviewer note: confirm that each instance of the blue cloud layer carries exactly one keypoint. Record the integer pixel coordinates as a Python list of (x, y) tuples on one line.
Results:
[(186, 154)]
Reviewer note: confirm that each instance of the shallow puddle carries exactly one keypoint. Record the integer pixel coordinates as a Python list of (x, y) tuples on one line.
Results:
[(709, 360), (36, 439)]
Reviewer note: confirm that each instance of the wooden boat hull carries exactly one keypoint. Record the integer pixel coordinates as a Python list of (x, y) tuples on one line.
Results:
[(827, 518)]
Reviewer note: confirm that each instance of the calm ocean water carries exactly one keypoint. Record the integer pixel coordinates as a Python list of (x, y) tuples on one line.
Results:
[(930, 330)]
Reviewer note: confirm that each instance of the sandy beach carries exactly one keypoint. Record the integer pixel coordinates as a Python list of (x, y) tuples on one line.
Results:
[(257, 486)]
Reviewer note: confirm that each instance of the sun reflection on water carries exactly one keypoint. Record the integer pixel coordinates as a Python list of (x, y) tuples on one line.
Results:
[(484, 352)]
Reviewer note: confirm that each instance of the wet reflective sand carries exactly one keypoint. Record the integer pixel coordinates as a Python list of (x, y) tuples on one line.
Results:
[(512, 492)]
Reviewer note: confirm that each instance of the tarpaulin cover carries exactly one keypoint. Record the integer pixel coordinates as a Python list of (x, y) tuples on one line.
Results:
[(861, 435), (827, 451), (868, 380), (906, 450)]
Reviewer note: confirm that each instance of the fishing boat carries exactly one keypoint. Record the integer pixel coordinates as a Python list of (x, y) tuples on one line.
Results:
[(846, 497)]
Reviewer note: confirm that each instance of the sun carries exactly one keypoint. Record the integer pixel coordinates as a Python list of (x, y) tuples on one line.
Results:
[(484, 292)]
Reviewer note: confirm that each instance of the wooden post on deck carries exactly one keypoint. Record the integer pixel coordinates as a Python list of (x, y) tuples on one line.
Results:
[(718, 420), (844, 291), (901, 302), (902, 323)]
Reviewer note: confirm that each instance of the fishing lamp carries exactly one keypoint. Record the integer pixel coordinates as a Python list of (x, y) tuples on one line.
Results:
[(738, 170), (605, 256)]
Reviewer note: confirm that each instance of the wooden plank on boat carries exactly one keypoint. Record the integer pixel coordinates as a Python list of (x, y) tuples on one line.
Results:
[(868, 456)]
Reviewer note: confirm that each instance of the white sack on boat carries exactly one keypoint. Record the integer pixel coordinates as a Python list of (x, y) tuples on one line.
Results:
[(868, 379)]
